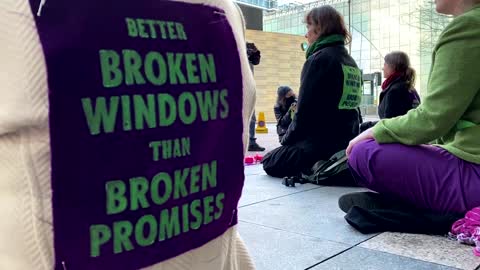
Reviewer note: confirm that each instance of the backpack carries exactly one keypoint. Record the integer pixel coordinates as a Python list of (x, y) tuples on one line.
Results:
[(331, 172)]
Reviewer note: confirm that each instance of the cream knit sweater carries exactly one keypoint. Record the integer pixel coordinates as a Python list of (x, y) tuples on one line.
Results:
[(26, 235)]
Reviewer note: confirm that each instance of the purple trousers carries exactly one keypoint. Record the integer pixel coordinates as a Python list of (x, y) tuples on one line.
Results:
[(425, 176)]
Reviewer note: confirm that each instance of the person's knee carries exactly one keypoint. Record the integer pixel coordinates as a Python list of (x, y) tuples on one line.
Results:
[(274, 171), (358, 161), (358, 158), (371, 163)]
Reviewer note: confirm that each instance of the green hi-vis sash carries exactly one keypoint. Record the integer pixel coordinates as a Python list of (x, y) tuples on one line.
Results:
[(352, 88)]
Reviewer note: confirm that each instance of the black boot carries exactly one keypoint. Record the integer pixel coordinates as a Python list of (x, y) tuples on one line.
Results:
[(366, 200), (254, 147)]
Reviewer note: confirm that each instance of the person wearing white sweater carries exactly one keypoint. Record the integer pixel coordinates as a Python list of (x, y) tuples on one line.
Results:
[(46, 201)]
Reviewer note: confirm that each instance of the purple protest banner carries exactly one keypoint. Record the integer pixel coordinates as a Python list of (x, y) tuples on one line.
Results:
[(146, 129)]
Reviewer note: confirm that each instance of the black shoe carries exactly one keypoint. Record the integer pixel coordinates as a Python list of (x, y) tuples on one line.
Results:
[(366, 200), (290, 181), (254, 147)]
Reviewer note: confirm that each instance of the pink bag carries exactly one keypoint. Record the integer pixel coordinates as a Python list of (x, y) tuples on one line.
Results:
[(467, 230)]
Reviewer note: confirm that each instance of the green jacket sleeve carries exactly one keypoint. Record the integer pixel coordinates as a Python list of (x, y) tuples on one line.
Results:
[(453, 84)]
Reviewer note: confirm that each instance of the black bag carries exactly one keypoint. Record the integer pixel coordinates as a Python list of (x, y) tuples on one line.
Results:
[(331, 172)]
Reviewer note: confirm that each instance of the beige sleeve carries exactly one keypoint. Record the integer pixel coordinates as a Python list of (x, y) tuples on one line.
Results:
[(26, 236)]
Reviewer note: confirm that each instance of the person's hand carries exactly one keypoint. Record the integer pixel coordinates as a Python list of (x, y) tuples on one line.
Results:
[(367, 134), (293, 107)]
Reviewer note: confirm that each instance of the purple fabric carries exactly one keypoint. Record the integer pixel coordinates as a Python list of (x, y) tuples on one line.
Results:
[(425, 176), (467, 230), (72, 33)]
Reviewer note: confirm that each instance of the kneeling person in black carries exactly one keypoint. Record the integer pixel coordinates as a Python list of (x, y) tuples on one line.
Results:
[(284, 109)]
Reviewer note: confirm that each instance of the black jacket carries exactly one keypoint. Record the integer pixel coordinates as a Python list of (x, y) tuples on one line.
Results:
[(319, 124), (282, 114), (397, 100)]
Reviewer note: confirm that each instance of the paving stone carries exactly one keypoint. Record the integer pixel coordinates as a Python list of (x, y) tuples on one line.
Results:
[(278, 249), (366, 259), (428, 248)]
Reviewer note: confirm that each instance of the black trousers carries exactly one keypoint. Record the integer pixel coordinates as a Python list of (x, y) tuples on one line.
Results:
[(290, 160)]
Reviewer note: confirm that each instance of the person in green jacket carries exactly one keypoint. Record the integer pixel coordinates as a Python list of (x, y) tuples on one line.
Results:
[(429, 159)]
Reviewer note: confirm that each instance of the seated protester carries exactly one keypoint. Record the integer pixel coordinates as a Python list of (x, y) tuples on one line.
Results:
[(90, 159), (284, 109), (398, 94), (330, 93), (395, 159)]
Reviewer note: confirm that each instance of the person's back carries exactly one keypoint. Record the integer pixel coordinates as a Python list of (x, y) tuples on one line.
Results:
[(118, 160), (329, 108), (397, 100), (327, 115), (462, 137)]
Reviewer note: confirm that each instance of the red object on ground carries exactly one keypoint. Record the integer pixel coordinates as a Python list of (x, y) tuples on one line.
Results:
[(249, 160), (258, 158)]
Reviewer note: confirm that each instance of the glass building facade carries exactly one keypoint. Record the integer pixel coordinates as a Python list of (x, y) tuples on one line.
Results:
[(264, 4), (378, 27)]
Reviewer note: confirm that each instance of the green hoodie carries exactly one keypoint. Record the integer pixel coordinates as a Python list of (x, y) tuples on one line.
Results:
[(450, 111)]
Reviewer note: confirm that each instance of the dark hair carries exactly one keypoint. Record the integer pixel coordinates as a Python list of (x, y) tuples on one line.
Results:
[(328, 21), (400, 63), (281, 93)]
